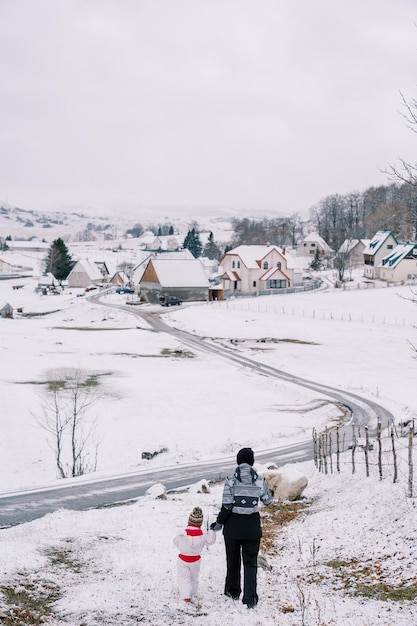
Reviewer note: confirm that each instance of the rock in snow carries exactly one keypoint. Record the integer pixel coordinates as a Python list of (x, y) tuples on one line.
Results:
[(285, 483)]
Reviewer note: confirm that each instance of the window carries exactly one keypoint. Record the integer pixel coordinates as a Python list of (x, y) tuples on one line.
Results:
[(276, 284), (279, 265), (238, 264), (254, 283), (233, 265), (265, 265), (390, 246)]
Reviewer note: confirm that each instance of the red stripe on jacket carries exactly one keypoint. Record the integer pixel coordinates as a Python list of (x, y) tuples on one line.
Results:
[(192, 531)]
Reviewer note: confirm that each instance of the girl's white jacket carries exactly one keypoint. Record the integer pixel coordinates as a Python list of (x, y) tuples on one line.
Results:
[(190, 543)]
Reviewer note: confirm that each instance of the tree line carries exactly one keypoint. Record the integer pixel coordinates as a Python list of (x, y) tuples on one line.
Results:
[(359, 215)]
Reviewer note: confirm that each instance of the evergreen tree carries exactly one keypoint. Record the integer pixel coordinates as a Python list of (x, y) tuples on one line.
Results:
[(316, 263), (193, 243), (136, 231), (211, 249), (58, 260)]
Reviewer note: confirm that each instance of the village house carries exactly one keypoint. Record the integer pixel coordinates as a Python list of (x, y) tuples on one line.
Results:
[(138, 270), (28, 246), (6, 310), (104, 269), (353, 249), (258, 270), (47, 283), (119, 278), (401, 264), (84, 273), (183, 278), (149, 241), (380, 246), (310, 244)]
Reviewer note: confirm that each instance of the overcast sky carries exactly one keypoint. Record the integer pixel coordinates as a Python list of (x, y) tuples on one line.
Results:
[(256, 104)]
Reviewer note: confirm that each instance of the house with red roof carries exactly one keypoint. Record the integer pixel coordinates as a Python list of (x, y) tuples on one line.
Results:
[(259, 269)]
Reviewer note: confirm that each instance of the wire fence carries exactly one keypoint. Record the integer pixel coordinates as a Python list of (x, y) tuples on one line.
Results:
[(387, 455), (249, 305)]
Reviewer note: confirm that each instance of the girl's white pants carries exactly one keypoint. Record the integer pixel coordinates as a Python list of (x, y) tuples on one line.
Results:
[(188, 578)]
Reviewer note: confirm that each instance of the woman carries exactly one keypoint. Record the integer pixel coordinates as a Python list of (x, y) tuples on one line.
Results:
[(242, 530)]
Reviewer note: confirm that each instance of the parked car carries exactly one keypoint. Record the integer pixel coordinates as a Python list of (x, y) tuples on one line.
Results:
[(169, 300), (125, 290)]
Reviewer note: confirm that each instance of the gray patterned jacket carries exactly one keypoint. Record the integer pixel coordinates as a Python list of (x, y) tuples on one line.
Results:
[(243, 490)]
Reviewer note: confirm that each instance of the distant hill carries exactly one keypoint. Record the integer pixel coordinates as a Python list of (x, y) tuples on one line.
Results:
[(82, 224)]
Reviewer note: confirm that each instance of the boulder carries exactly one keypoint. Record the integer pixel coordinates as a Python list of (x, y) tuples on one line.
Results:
[(157, 491), (285, 483), (201, 487)]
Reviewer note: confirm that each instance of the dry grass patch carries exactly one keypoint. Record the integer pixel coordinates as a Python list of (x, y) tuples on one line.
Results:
[(277, 515)]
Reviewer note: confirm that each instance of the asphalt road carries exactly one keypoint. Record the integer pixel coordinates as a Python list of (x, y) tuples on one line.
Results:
[(83, 494)]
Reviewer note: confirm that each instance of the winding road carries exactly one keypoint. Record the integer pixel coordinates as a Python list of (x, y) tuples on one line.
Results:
[(83, 494)]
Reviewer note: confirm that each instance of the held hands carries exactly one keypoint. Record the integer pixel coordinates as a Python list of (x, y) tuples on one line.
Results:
[(216, 527)]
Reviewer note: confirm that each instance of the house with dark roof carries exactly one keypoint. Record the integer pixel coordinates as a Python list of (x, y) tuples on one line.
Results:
[(380, 246), (400, 265), (6, 310), (256, 269)]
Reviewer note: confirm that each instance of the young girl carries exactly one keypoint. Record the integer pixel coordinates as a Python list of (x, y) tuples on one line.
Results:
[(190, 543)]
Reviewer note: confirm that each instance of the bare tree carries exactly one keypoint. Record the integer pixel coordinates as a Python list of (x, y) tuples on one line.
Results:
[(404, 171), (70, 393)]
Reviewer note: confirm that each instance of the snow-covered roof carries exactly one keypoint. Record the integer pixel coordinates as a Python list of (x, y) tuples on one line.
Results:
[(88, 267), (184, 253), (252, 256), (349, 244), (27, 245), (149, 239), (397, 255), (377, 241), (180, 272), (47, 279), (316, 238)]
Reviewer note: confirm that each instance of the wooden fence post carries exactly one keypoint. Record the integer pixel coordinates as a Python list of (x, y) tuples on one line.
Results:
[(378, 435), (338, 449), (330, 452), (366, 451), (315, 446), (354, 441), (324, 451), (320, 454), (394, 455), (410, 460)]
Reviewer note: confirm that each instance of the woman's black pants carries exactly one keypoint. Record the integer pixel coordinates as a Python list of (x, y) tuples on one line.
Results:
[(238, 550)]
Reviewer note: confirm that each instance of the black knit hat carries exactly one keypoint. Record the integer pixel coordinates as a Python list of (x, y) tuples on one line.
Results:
[(196, 516), (245, 455)]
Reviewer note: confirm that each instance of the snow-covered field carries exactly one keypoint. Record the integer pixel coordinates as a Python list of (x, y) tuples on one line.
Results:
[(117, 566)]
